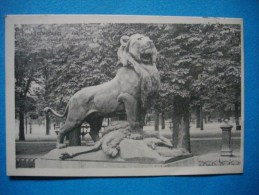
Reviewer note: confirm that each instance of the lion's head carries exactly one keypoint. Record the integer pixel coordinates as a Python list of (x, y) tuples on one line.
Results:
[(139, 52), (138, 47)]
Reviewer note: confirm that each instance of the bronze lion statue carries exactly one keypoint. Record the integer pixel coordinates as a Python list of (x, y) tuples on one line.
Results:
[(136, 80)]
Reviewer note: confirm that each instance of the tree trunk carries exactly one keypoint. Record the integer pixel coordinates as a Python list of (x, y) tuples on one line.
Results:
[(156, 115), (48, 123), (205, 118), (74, 137), (238, 127), (21, 124), (163, 120), (26, 122), (30, 129), (176, 122), (237, 114), (201, 117), (184, 132), (198, 117), (181, 123)]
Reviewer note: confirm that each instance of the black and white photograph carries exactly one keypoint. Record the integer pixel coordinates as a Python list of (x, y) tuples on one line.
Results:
[(93, 95)]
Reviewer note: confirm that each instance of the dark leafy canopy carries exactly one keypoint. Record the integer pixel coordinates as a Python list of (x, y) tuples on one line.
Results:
[(201, 62), (197, 61)]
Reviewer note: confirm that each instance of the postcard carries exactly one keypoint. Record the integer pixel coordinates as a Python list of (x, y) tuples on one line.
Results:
[(117, 95)]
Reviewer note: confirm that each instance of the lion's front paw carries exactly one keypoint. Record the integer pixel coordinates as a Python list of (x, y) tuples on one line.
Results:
[(60, 145), (136, 136)]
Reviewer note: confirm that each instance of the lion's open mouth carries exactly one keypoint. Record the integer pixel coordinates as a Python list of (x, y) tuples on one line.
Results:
[(146, 57)]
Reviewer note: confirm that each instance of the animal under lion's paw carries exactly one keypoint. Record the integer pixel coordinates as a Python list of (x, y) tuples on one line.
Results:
[(111, 151), (111, 141), (135, 136)]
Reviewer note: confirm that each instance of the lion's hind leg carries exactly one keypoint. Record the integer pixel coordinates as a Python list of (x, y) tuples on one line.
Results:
[(63, 131), (95, 123), (69, 126)]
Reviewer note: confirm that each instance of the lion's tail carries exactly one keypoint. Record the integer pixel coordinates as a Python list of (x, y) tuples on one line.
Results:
[(48, 109)]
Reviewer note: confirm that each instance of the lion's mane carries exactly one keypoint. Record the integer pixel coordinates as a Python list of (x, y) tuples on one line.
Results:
[(139, 52)]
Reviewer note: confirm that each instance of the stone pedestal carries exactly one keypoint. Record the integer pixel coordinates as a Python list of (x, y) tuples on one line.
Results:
[(133, 153), (89, 162), (226, 140), (118, 149)]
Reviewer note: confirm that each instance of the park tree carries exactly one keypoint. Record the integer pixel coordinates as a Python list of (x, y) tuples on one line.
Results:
[(219, 83), (199, 66), (25, 75)]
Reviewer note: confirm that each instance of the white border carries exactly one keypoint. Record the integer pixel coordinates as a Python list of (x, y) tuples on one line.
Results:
[(11, 20)]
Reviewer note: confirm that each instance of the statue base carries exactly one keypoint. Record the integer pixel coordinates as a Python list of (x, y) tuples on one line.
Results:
[(43, 163), (132, 153)]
